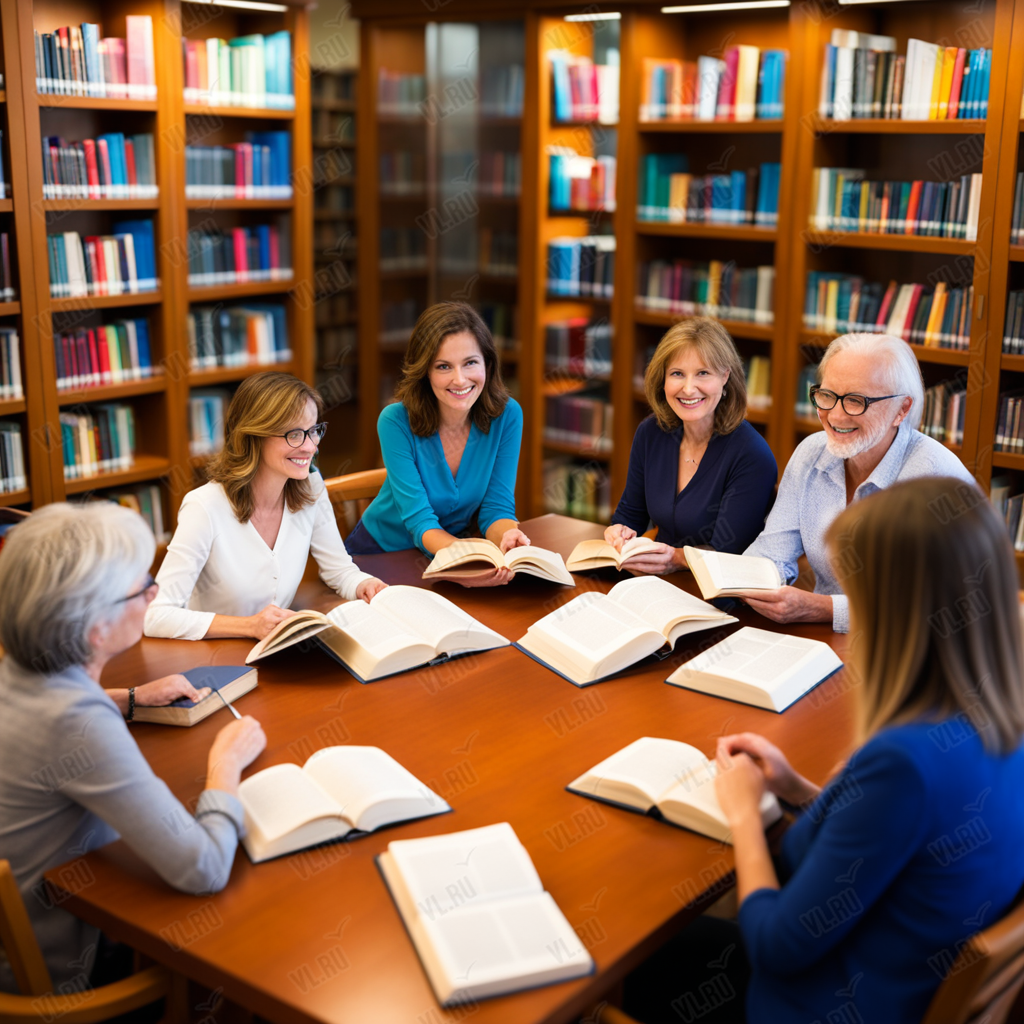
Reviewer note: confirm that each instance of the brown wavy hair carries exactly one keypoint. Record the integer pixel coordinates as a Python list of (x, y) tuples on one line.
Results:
[(713, 343), (440, 321), (265, 405)]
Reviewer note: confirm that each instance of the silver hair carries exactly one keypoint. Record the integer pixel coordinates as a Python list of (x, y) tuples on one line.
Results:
[(901, 373), (63, 571)]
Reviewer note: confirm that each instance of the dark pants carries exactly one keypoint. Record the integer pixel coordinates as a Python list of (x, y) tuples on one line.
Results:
[(359, 542), (700, 975)]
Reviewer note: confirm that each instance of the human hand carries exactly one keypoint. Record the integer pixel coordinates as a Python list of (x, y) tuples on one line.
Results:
[(788, 604), (739, 786), (260, 624), (369, 589), (654, 561), (494, 578), (617, 534), (514, 538), (167, 689), (235, 747), (779, 775)]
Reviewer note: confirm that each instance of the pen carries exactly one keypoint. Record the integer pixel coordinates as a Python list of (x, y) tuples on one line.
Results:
[(228, 705)]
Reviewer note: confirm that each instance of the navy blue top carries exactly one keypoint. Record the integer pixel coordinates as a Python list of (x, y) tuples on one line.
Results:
[(912, 848), (723, 506)]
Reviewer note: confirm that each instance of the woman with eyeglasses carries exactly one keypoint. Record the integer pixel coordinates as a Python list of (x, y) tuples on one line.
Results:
[(869, 404), (243, 539), (73, 594)]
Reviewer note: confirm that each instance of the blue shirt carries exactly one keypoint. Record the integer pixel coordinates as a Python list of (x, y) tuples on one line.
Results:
[(420, 493), (912, 848), (723, 505), (813, 492)]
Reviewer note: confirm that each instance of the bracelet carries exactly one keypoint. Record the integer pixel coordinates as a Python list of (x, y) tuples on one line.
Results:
[(131, 705)]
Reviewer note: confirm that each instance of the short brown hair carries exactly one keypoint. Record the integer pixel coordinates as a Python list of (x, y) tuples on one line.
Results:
[(714, 345), (265, 405), (440, 321), (935, 623)]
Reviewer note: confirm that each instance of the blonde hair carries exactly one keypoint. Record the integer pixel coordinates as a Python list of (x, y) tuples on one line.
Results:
[(711, 341), (265, 405), (935, 625)]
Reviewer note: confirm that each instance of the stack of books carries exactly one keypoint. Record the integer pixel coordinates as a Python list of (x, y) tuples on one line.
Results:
[(111, 166), (718, 289), (938, 316), (1010, 428), (237, 255), (582, 90), (97, 439), (583, 419), (749, 84), (400, 95), (502, 320), (260, 168), (89, 357), (758, 373), (583, 492), (10, 365), (500, 174), (944, 407), (402, 173), (580, 182), (863, 76), (402, 249), (842, 200), (582, 266), (249, 71), (12, 458), (498, 252), (501, 90), (250, 335), (74, 61), (206, 421), (578, 347), (120, 263), (1009, 508)]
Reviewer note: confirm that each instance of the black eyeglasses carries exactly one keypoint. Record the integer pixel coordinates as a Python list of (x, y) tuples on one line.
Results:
[(297, 437), (147, 586), (853, 405)]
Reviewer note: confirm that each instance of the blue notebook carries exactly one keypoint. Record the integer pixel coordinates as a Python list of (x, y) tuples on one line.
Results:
[(226, 681)]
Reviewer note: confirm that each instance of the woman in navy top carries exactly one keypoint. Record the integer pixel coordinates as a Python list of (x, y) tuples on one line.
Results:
[(450, 445), (697, 469), (915, 844)]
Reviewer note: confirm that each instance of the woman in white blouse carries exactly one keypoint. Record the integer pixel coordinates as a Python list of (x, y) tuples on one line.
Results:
[(243, 539)]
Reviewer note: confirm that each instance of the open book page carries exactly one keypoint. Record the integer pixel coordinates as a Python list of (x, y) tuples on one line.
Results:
[(371, 786), (300, 626), (438, 621), (718, 572), (375, 631), (693, 803), (282, 798), (591, 554), (663, 605), (551, 566), (471, 549)]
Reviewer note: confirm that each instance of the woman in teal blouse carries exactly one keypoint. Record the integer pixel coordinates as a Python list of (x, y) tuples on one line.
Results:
[(450, 445)]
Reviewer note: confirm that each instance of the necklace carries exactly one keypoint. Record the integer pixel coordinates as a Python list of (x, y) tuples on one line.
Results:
[(699, 457)]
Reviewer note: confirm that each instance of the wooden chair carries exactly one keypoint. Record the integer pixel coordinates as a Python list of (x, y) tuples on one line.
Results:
[(38, 1003), (352, 493)]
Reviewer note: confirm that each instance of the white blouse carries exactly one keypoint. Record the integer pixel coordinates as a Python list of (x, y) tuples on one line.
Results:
[(217, 565)]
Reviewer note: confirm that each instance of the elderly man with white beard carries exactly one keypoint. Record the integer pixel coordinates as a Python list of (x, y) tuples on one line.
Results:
[(869, 402)]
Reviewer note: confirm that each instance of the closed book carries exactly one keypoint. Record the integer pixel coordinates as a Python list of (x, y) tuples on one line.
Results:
[(226, 682)]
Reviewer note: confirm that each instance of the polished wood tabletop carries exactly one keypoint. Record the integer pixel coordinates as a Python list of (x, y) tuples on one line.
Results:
[(315, 936)]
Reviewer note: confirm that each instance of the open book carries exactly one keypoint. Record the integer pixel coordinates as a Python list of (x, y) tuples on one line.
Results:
[(719, 574), (757, 666), (227, 681), (337, 791), (669, 780), (593, 636), (467, 559), (598, 554), (478, 915), (401, 628)]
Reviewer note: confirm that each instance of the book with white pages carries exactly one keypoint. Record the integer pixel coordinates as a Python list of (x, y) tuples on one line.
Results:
[(668, 780), (478, 915), (339, 793), (594, 636), (599, 554), (719, 574), (400, 629), (759, 667), (475, 557)]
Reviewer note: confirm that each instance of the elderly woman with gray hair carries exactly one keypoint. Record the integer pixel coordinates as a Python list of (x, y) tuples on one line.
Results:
[(869, 403), (74, 590)]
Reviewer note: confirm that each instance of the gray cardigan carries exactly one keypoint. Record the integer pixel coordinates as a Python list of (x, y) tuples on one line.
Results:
[(73, 779)]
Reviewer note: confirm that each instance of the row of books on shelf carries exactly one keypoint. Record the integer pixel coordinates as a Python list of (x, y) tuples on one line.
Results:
[(237, 255), (748, 84), (498, 252), (74, 61), (403, 172), (1013, 329), (109, 354), (939, 315), (1009, 507), (862, 76), (11, 386), (98, 439), (583, 492), (716, 288), (945, 407), (111, 166), (578, 347), (248, 71), (6, 279), (582, 90), (402, 249), (580, 182), (757, 371), (397, 320), (582, 419), (1010, 425), (120, 263), (493, 173), (144, 500), (330, 126), (206, 420), (502, 321), (668, 192), (500, 173), (400, 94), (13, 476), (252, 335), (1017, 222), (334, 85), (259, 168), (582, 266), (501, 90), (843, 200)]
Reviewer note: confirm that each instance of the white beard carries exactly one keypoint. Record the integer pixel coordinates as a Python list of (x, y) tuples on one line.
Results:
[(858, 443)]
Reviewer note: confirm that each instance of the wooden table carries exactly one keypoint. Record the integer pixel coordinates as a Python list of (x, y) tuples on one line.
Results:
[(315, 936)]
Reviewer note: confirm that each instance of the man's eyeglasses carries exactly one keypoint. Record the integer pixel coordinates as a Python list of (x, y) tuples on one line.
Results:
[(296, 438), (150, 584), (853, 405)]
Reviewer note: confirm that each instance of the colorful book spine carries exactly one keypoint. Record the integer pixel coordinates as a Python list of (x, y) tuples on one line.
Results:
[(580, 183), (117, 264), (237, 255), (716, 288), (582, 91), (259, 168), (254, 334), (1013, 327), (578, 347), (13, 476), (75, 61), (580, 491), (248, 71), (11, 386), (206, 409), (944, 411), (113, 166), (582, 267), (580, 419), (108, 354), (98, 439)]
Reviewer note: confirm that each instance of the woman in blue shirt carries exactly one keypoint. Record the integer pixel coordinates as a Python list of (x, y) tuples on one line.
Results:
[(697, 469), (450, 445)]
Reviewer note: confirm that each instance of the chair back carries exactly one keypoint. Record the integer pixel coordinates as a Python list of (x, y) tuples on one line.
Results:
[(351, 494), (18, 939)]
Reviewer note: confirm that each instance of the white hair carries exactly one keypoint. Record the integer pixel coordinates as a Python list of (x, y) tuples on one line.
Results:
[(900, 371), (63, 571)]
